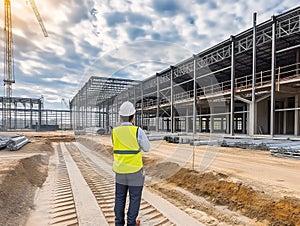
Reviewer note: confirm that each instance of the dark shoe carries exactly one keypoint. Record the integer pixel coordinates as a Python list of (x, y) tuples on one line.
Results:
[(138, 222)]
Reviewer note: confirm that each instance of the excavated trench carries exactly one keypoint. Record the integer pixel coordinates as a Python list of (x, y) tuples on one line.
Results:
[(221, 190)]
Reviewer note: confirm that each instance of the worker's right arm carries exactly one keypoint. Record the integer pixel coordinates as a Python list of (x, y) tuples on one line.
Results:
[(143, 140)]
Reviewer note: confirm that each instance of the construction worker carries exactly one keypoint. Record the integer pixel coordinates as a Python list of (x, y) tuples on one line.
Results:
[(128, 142)]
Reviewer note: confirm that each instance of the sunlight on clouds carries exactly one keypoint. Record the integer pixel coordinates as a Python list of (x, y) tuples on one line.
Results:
[(28, 66), (66, 79), (59, 50), (134, 61)]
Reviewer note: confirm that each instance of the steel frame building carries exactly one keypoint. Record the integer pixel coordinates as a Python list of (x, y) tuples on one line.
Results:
[(19, 113), (90, 106), (248, 84)]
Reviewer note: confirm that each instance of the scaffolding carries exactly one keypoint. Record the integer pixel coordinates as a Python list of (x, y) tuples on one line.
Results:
[(247, 84)]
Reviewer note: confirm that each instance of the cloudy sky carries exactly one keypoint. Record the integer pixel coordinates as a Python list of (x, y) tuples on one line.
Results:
[(120, 38)]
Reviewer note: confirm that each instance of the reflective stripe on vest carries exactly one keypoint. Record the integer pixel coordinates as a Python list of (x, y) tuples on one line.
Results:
[(127, 153)]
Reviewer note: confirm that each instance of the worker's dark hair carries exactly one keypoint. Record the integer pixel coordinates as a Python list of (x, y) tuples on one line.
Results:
[(126, 118)]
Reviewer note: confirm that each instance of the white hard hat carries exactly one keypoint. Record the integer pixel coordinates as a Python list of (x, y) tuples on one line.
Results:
[(127, 109)]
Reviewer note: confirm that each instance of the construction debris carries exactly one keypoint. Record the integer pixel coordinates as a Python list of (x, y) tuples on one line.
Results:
[(277, 148), (290, 153)]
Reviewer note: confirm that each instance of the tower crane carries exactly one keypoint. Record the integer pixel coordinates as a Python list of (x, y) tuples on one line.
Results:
[(8, 59)]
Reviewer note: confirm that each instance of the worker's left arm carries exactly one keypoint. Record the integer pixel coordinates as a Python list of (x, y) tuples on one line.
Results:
[(143, 140)]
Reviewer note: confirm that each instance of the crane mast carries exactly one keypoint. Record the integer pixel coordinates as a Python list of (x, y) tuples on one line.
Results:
[(8, 67), (8, 58)]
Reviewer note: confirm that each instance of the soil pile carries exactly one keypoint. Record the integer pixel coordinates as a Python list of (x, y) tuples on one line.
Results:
[(238, 197), (19, 179), (106, 150), (53, 138)]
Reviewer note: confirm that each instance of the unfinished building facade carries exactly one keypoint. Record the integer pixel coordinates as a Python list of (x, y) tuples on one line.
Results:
[(247, 84)]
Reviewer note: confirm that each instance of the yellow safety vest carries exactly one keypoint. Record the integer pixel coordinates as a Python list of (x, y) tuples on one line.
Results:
[(127, 152)]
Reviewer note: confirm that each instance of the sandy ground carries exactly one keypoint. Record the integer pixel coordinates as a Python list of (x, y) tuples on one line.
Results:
[(279, 176), (225, 186), (251, 183), (24, 171)]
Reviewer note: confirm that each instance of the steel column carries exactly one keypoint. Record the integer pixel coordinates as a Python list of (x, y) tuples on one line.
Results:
[(31, 106), (157, 100), (15, 126), (297, 61), (273, 74), (187, 126), (142, 105), (296, 128), (232, 86), (172, 101), (252, 114), (61, 120), (116, 110), (227, 118), (195, 97), (103, 119), (285, 105), (134, 102), (71, 115), (107, 117), (86, 105), (244, 120), (39, 115), (25, 116), (78, 112)]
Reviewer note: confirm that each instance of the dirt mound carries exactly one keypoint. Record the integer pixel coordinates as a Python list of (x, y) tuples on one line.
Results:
[(238, 197), (19, 180), (105, 150), (162, 170), (150, 162), (53, 138), (41, 146)]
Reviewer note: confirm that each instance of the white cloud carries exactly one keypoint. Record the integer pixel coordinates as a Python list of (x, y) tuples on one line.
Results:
[(133, 38)]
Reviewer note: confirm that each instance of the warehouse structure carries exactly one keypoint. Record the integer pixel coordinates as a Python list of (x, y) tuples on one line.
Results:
[(247, 84)]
